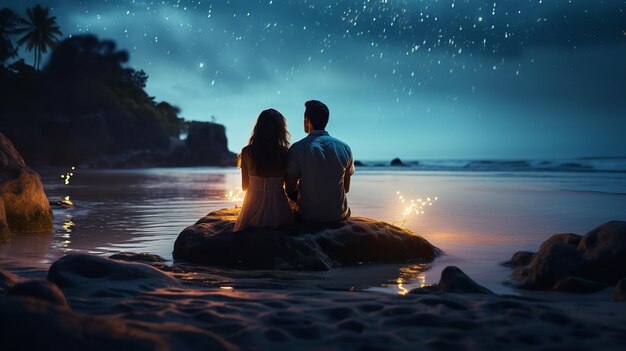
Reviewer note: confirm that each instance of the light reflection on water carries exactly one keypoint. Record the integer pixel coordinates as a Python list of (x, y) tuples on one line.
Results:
[(479, 220)]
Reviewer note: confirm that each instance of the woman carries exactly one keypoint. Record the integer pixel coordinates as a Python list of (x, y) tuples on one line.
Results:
[(263, 164)]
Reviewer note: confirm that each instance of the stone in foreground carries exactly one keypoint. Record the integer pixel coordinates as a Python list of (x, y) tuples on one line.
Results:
[(26, 207), (453, 280), (302, 246), (90, 272), (574, 263)]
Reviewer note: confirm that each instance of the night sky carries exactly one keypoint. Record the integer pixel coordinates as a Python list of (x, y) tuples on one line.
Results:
[(415, 79)]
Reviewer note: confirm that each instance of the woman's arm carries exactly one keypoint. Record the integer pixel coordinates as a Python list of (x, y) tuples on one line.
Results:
[(245, 181)]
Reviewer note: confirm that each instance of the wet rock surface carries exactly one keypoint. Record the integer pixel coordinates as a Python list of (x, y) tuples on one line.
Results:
[(619, 292), (575, 263), (453, 280), (303, 246), (88, 272), (26, 207)]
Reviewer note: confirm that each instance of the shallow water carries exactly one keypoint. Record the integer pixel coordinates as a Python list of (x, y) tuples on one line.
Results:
[(479, 219)]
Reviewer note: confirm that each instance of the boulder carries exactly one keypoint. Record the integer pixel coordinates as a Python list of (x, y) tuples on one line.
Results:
[(619, 292), (7, 280), (454, 280), (93, 272), (604, 250), (565, 238), (41, 290), (396, 162), (302, 246), (575, 263), (4, 226), (520, 258), (207, 144), (26, 206), (555, 261), (32, 324), (579, 285)]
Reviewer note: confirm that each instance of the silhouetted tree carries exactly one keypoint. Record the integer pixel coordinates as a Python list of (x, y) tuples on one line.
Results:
[(87, 56), (40, 32), (8, 23)]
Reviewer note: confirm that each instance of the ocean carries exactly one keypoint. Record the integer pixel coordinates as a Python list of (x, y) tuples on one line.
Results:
[(484, 212)]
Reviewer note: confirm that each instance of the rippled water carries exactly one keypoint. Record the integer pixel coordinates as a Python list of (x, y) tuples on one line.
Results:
[(479, 220)]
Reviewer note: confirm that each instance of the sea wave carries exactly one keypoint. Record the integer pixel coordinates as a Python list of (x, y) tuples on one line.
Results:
[(563, 165)]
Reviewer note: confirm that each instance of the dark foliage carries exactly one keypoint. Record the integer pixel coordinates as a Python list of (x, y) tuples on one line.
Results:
[(84, 106), (8, 23)]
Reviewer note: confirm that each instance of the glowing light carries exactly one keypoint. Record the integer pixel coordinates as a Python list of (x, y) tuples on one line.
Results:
[(401, 289), (68, 175), (412, 206), (237, 195), (66, 180), (66, 201)]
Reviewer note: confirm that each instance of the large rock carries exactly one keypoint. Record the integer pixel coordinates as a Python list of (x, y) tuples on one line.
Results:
[(207, 144), (301, 246), (4, 226), (41, 290), (7, 280), (604, 250), (554, 262), (397, 162), (520, 258), (26, 206), (89, 272), (455, 280), (575, 263)]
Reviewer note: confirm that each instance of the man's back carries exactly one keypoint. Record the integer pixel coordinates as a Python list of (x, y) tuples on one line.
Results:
[(321, 163)]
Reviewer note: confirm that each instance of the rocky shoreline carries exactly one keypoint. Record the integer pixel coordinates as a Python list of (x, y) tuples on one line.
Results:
[(139, 301), (301, 246), (101, 304)]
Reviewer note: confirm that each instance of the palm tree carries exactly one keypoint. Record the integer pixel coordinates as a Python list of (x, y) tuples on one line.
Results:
[(40, 32)]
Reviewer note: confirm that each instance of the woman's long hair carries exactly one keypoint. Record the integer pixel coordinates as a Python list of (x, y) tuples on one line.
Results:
[(269, 144)]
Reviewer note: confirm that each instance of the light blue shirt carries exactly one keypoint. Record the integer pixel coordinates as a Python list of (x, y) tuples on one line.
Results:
[(321, 163)]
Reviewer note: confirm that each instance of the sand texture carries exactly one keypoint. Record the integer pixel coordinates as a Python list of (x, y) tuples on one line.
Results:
[(130, 307)]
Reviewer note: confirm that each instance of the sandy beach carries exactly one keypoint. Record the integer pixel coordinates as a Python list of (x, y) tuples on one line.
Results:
[(364, 307), (202, 311)]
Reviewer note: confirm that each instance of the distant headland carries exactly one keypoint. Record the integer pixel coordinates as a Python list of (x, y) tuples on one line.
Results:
[(85, 106)]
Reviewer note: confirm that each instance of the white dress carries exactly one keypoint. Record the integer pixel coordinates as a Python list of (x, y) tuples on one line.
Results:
[(265, 205)]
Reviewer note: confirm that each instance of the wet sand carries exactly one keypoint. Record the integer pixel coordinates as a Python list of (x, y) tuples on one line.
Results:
[(479, 221)]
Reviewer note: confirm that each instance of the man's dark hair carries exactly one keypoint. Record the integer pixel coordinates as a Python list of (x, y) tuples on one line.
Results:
[(317, 113)]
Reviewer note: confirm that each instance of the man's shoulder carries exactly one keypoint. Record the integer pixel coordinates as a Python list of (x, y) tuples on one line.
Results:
[(298, 144), (340, 143)]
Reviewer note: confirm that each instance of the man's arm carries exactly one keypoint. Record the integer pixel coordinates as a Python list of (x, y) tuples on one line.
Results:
[(292, 174), (291, 186), (349, 173)]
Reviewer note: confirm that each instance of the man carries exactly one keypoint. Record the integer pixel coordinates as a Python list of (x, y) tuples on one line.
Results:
[(319, 170)]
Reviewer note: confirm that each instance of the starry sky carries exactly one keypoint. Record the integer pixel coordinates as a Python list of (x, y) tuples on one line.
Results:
[(418, 79)]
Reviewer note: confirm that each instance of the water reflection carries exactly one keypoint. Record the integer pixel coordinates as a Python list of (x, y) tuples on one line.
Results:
[(483, 220), (66, 229)]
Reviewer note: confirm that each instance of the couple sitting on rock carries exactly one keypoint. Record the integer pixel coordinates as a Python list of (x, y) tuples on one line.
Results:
[(315, 173)]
